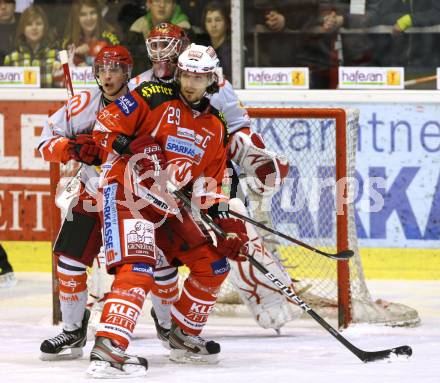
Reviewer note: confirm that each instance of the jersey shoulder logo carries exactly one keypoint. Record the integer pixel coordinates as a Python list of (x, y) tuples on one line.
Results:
[(127, 104), (157, 93)]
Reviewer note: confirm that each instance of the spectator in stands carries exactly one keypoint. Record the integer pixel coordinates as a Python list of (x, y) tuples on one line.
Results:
[(34, 45), (216, 23), (194, 10), (401, 49), (121, 14), (86, 32), (57, 12), (273, 20), (8, 27), (158, 11), (357, 48)]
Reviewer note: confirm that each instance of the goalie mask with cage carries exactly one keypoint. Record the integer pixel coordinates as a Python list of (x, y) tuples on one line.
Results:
[(113, 59), (199, 64), (164, 45)]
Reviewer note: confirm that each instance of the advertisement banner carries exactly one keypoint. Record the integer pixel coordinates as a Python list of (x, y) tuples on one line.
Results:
[(82, 77), (19, 77), (276, 78), (397, 164), (371, 78), (24, 176)]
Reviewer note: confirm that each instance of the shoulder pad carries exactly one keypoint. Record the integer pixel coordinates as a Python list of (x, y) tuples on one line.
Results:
[(220, 116), (156, 93)]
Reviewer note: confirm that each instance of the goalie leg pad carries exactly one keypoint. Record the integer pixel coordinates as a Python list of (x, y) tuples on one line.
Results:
[(124, 303), (72, 279), (268, 306), (80, 238)]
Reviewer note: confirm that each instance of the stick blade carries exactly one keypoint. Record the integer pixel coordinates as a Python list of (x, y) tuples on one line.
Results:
[(345, 254), (405, 351)]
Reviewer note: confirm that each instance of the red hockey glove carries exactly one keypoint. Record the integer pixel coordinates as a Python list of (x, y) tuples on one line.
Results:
[(87, 151), (236, 238), (154, 159), (69, 152)]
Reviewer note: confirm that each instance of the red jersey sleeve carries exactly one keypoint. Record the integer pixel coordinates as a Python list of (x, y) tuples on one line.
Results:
[(123, 116)]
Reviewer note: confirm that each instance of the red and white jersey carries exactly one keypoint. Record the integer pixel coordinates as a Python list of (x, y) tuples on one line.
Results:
[(225, 101), (77, 116), (194, 143)]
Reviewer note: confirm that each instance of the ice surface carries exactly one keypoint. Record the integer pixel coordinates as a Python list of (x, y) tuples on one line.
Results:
[(304, 352)]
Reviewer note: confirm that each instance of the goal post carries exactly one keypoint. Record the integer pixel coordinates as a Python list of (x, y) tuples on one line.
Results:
[(340, 137)]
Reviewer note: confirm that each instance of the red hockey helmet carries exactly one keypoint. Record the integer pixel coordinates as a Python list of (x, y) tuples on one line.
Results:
[(112, 58), (165, 42)]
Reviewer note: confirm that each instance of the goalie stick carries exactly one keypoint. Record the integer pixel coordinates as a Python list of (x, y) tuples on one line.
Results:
[(364, 356), (341, 256)]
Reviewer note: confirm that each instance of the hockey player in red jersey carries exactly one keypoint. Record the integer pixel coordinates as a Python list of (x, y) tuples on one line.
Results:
[(156, 134), (264, 172), (67, 136)]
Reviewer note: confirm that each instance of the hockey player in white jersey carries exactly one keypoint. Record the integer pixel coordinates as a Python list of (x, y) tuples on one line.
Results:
[(66, 136), (264, 172)]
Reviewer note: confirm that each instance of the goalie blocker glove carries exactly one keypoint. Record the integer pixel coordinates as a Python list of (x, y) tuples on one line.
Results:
[(264, 169)]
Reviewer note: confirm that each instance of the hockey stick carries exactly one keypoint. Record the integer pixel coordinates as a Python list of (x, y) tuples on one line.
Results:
[(64, 58), (341, 256), (364, 356)]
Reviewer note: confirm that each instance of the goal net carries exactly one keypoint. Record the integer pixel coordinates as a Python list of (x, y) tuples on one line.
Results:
[(315, 205)]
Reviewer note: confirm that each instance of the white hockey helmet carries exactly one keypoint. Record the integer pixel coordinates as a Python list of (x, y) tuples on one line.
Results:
[(200, 59)]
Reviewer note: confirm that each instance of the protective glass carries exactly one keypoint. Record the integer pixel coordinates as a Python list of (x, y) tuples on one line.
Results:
[(194, 80), (110, 66)]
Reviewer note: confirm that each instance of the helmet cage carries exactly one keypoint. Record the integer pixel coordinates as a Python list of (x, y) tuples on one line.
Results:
[(163, 48)]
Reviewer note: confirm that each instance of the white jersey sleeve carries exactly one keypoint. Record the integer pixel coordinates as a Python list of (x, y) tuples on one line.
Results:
[(227, 102), (77, 116), (139, 79)]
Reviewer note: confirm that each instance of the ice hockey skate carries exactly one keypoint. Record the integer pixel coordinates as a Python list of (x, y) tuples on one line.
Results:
[(163, 334), (7, 279), (67, 345), (109, 361), (186, 348)]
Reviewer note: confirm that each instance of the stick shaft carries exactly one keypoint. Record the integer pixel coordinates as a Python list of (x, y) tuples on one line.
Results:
[(66, 70), (364, 356)]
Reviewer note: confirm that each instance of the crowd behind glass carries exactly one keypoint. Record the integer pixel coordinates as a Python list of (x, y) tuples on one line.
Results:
[(318, 34)]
